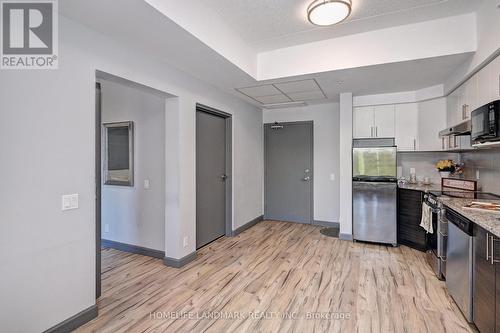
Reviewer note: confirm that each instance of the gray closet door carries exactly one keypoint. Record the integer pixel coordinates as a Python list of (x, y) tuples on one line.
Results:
[(289, 172), (210, 177)]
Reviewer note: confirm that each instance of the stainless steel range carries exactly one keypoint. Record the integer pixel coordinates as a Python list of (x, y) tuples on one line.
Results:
[(437, 242)]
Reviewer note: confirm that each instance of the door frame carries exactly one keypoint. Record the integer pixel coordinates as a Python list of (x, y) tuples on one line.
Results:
[(98, 168), (265, 128), (229, 164), (99, 76)]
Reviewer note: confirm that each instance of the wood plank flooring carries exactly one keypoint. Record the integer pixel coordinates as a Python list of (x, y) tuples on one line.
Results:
[(276, 277)]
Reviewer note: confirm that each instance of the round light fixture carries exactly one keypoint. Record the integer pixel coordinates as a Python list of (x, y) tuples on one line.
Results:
[(328, 12)]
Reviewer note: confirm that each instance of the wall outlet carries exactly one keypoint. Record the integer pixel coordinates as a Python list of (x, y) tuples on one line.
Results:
[(147, 184), (106, 227), (69, 201), (332, 177), (477, 174), (185, 242)]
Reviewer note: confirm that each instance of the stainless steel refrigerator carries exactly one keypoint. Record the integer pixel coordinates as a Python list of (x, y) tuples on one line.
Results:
[(374, 190)]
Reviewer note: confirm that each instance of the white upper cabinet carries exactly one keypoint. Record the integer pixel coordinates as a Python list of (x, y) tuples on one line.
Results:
[(431, 120), (406, 126), (495, 79), (453, 107), (415, 126), (459, 103), (460, 112), (384, 121), (373, 122), (363, 122), (484, 86), (470, 102), (480, 89)]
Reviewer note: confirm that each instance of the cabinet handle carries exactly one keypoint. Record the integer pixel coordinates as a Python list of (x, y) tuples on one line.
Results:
[(376, 131), (414, 144), (493, 260), (371, 131), (487, 246)]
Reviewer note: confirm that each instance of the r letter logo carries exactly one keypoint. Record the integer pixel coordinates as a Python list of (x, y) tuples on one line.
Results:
[(29, 34)]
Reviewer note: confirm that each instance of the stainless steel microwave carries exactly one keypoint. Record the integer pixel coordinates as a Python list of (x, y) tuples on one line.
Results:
[(486, 123)]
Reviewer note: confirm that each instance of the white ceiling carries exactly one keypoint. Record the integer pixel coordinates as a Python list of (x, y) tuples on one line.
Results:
[(273, 24), (155, 34), (284, 92), (370, 80)]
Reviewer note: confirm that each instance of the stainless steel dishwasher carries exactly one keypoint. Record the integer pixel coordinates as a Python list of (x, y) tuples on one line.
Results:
[(459, 261)]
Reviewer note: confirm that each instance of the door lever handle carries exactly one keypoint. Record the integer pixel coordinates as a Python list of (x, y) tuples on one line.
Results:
[(306, 178), (223, 177)]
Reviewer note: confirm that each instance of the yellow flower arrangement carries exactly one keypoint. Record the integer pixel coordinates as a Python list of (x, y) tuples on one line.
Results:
[(450, 166), (445, 165)]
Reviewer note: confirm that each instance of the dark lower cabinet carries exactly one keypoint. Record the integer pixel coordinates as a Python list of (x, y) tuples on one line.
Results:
[(410, 233), (496, 259), (484, 282)]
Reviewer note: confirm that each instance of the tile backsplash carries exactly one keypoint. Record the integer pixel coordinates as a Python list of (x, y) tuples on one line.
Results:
[(424, 164), (487, 162)]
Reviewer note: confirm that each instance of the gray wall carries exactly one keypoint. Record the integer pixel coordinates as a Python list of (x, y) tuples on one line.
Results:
[(135, 215), (326, 153), (487, 162), (47, 271), (424, 164)]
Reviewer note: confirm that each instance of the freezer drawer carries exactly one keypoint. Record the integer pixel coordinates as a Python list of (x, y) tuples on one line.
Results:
[(374, 212)]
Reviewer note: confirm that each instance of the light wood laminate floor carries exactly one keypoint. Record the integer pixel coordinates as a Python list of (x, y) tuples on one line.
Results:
[(276, 277)]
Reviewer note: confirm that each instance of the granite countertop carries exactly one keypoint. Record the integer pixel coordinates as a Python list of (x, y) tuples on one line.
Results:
[(421, 187), (488, 221)]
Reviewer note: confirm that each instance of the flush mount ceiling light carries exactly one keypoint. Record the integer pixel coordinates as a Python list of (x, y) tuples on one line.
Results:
[(328, 12)]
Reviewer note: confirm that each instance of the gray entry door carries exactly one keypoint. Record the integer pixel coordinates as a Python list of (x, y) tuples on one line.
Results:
[(289, 172), (210, 177)]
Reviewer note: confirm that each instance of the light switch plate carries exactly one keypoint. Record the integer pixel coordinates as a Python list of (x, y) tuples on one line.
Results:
[(106, 227), (69, 201), (185, 242), (147, 184), (332, 177)]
